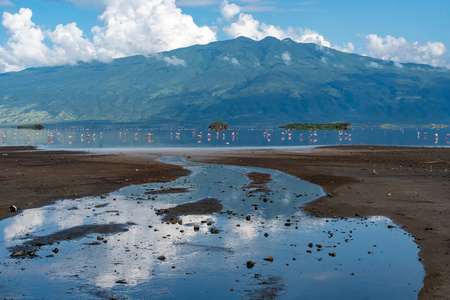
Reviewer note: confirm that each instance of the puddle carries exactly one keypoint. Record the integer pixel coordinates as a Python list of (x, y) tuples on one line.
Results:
[(128, 246)]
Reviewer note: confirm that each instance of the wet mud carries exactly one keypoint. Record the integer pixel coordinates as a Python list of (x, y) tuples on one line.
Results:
[(202, 207), (31, 246)]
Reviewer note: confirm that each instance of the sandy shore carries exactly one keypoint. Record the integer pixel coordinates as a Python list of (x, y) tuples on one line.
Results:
[(409, 185)]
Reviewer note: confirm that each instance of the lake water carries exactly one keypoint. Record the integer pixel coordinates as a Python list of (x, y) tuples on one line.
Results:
[(312, 258), (153, 138)]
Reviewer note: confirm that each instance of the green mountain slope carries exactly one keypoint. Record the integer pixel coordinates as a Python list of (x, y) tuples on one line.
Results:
[(240, 81)]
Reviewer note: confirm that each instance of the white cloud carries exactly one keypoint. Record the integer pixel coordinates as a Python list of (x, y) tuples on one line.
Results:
[(228, 10), (247, 26), (347, 48), (141, 26), (6, 3), (374, 65), (286, 58), (401, 50), (232, 60), (171, 61), (130, 27)]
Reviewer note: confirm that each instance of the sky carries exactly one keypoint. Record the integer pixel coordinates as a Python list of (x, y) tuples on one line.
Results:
[(58, 32)]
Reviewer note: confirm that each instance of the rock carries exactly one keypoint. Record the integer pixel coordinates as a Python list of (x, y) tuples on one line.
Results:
[(56, 250), (100, 238), (266, 234), (121, 281), (215, 231), (103, 197), (13, 208), (310, 245), (270, 258), (21, 253), (329, 195), (332, 254), (196, 227), (250, 264), (162, 257), (248, 217)]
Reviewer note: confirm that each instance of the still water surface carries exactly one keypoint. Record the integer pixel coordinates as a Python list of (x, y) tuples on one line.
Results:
[(370, 260), (153, 138)]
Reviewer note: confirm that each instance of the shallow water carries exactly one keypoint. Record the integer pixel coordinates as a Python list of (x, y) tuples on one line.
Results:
[(371, 260), (61, 138)]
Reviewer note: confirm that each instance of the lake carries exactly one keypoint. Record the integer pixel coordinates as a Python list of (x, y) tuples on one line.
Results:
[(60, 138)]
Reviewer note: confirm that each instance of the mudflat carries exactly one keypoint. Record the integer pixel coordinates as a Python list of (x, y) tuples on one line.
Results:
[(409, 185)]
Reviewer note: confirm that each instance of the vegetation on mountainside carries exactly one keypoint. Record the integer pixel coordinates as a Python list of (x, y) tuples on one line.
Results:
[(243, 81)]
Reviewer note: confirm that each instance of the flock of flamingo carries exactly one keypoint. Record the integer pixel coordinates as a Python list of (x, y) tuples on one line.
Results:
[(28, 137)]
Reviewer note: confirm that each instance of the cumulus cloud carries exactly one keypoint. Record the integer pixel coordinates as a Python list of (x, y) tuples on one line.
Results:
[(232, 60), (140, 26), (228, 10), (400, 50), (347, 48), (130, 27), (374, 65), (171, 61), (286, 58), (247, 26)]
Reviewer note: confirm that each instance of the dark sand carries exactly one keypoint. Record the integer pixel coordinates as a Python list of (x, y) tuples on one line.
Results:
[(409, 185)]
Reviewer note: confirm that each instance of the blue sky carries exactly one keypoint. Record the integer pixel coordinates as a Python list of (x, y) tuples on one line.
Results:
[(52, 32)]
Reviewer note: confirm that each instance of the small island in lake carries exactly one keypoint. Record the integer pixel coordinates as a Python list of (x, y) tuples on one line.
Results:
[(308, 126), (34, 127), (219, 126)]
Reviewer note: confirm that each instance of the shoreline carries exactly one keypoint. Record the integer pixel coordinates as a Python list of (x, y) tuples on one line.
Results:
[(409, 185)]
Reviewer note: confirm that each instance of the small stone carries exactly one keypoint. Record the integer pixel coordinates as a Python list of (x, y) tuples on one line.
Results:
[(100, 238), (20, 253), (121, 281), (215, 231), (162, 257), (329, 195), (13, 208), (250, 264), (103, 197), (310, 245), (270, 258), (56, 250), (332, 254), (248, 218), (196, 227), (266, 234)]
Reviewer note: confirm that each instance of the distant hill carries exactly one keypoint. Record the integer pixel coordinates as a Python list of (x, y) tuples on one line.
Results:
[(240, 81)]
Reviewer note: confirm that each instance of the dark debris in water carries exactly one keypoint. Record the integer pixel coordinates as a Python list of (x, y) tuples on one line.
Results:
[(167, 191), (73, 233), (201, 207)]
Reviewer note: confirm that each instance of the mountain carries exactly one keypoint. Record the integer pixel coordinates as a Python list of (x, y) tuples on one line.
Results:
[(241, 82)]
